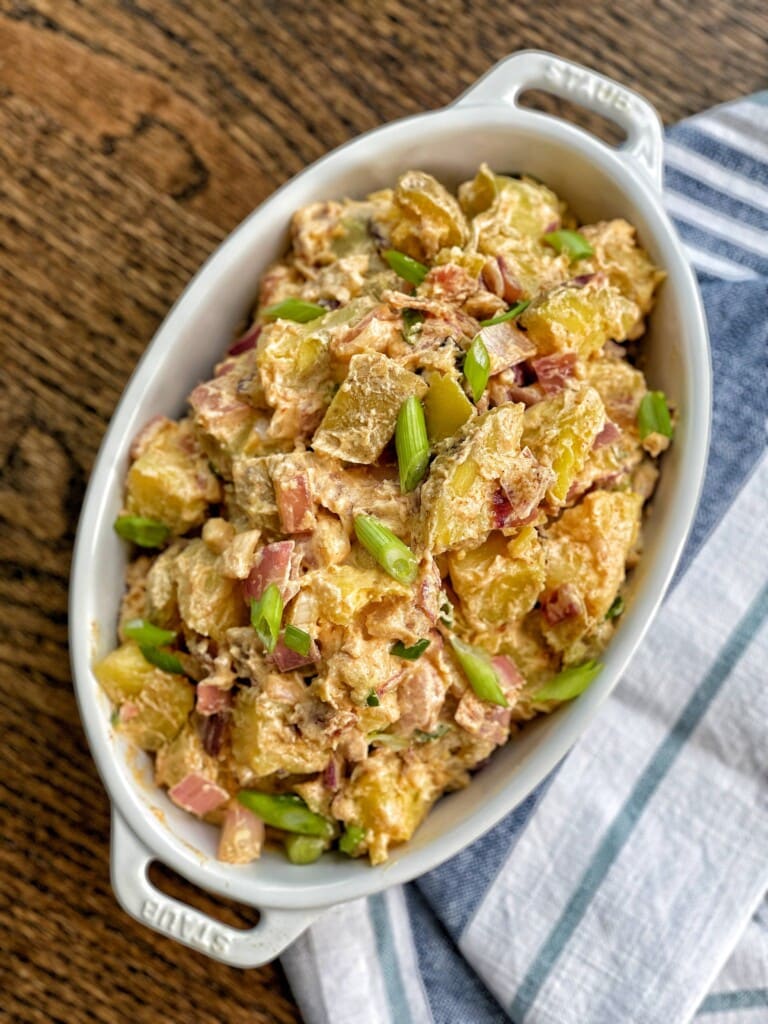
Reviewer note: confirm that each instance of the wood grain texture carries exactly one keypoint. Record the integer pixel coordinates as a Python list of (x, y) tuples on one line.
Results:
[(133, 136)]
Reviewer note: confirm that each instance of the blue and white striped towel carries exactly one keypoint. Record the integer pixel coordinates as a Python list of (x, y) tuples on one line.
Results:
[(631, 887)]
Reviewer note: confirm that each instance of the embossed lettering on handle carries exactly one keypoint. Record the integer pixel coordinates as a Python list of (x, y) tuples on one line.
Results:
[(185, 925), (580, 84)]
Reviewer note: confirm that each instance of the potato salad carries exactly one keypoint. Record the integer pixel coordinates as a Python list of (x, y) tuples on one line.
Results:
[(395, 524)]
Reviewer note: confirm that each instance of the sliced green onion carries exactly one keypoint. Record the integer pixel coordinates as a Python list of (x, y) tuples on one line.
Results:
[(287, 812), (406, 267), (570, 682), (427, 737), (653, 415), (147, 634), (162, 659), (266, 614), (409, 653), (297, 640), (298, 310), (304, 849), (616, 608), (147, 533), (477, 667), (351, 840), (372, 700), (412, 321), (389, 551), (477, 367), (411, 444), (571, 242), (511, 314)]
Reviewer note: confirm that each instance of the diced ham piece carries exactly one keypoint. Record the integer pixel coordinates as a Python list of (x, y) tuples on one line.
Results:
[(332, 773), (608, 435), (273, 566), (144, 437), (421, 695), (560, 604), (128, 710), (449, 283), (242, 836), (554, 371), (294, 502), (497, 278), (287, 660), (246, 341), (522, 489), (510, 676), (506, 346), (482, 719), (212, 699), (197, 794)]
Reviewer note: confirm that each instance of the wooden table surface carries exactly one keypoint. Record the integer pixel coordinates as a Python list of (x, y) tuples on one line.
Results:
[(134, 134)]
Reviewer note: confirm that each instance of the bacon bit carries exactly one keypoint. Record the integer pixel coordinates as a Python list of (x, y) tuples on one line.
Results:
[(506, 346), (562, 603), (246, 341), (213, 729), (497, 278), (273, 566), (554, 371), (242, 836), (197, 794), (294, 502), (211, 699), (287, 660), (449, 283), (608, 435)]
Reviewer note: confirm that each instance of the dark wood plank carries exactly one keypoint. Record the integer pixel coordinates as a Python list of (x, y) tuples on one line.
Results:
[(133, 136)]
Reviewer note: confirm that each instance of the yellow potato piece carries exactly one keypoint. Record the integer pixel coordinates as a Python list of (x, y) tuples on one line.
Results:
[(171, 479), (580, 318), (446, 407), (626, 265), (361, 418), (264, 740), (209, 603), (428, 217)]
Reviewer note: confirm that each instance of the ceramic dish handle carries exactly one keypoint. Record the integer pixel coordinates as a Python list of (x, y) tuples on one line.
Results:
[(535, 69), (130, 860)]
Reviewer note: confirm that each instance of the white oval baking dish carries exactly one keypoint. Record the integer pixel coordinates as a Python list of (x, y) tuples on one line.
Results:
[(598, 181)]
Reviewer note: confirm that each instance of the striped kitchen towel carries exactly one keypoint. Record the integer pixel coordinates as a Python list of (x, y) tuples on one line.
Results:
[(631, 887)]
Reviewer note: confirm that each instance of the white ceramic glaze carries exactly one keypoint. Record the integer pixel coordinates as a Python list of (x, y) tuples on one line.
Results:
[(598, 182)]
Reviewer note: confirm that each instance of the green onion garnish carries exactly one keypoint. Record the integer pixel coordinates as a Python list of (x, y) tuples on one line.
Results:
[(148, 635), (389, 551), (411, 444), (406, 267), (409, 653), (298, 310), (570, 682), (303, 849), (286, 811), (147, 533), (477, 367), (570, 242), (372, 700), (351, 840), (653, 415), (427, 737), (266, 613), (162, 659), (511, 314), (412, 321), (297, 640), (481, 674), (616, 608)]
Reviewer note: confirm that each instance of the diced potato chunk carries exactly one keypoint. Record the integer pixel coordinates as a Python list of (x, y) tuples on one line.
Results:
[(560, 432), (264, 739), (524, 205), (580, 319), (620, 258), (499, 581), (429, 218), (171, 479), (387, 799), (295, 369), (361, 418), (182, 756), (153, 704), (209, 602), (342, 591), (226, 422), (255, 493), (446, 407), (586, 551), (621, 388), (457, 499)]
